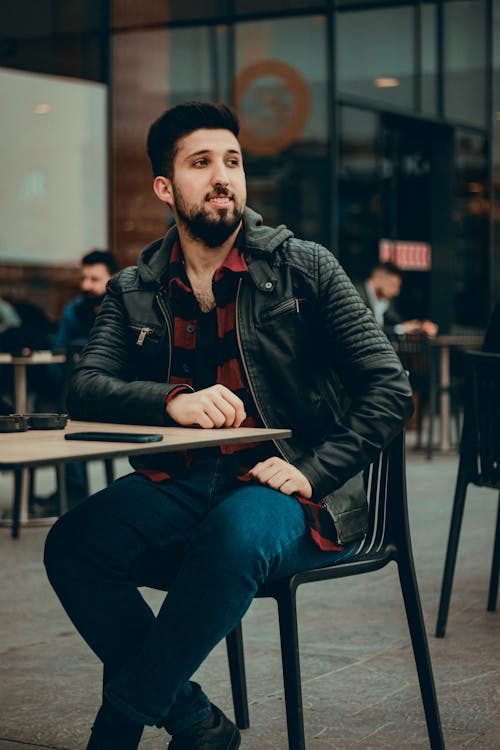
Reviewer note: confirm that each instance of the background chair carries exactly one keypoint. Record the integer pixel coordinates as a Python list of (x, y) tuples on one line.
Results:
[(421, 359), (479, 464), (387, 540)]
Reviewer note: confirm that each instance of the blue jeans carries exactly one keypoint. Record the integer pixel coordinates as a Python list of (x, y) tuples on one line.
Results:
[(208, 539)]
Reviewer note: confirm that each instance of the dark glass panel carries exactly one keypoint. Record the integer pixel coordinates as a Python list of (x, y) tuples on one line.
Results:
[(375, 54), (465, 60), (471, 227), (428, 59)]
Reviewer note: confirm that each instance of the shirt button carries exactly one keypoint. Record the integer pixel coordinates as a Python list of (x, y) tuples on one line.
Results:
[(268, 285), (190, 328), (186, 368)]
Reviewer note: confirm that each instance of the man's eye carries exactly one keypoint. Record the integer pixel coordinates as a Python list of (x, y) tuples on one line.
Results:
[(200, 163)]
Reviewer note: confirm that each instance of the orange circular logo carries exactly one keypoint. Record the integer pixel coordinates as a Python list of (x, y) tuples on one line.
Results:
[(272, 101)]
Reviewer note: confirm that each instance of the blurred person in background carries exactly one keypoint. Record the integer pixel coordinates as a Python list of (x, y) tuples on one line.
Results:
[(379, 291), (97, 267)]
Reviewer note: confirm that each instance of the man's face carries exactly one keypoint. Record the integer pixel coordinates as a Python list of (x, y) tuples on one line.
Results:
[(207, 192), (94, 279), (386, 285)]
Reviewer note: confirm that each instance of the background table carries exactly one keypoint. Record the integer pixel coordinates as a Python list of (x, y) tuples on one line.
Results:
[(20, 451), (442, 345), (20, 364)]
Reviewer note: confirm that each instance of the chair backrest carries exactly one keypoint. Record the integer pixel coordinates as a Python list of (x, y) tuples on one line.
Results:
[(414, 352), (480, 443), (385, 481)]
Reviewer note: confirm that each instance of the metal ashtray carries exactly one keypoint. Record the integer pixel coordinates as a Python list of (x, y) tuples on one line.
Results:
[(47, 421), (13, 423)]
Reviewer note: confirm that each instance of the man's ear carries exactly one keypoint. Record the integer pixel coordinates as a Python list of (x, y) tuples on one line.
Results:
[(163, 189)]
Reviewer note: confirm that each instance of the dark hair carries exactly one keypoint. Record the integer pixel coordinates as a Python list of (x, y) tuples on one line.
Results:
[(177, 122), (101, 256), (388, 267)]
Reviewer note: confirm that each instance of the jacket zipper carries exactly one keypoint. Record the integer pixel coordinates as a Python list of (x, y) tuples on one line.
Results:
[(143, 332), (288, 304), (168, 322), (238, 339)]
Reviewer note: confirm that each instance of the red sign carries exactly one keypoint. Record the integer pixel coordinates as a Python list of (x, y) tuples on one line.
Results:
[(409, 256)]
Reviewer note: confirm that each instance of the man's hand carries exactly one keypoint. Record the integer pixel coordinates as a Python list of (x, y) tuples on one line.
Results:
[(429, 328), (216, 406), (412, 326), (280, 475)]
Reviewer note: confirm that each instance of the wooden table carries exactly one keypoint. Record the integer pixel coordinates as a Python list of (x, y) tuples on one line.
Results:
[(20, 451), (20, 364), (443, 344)]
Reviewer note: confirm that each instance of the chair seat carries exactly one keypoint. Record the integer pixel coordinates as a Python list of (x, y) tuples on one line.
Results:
[(359, 563)]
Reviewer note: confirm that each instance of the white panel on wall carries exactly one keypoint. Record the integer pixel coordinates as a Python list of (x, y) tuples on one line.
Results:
[(53, 176)]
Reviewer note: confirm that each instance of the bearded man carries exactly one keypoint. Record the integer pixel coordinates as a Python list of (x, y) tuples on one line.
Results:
[(223, 323)]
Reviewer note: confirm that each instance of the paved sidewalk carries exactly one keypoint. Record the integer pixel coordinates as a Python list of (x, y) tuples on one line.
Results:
[(359, 679)]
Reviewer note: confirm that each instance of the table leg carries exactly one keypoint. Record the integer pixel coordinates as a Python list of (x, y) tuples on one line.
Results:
[(20, 508), (444, 398), (20, 389)]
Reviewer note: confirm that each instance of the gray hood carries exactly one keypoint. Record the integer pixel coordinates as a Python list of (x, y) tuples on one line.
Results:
[(259, 240)]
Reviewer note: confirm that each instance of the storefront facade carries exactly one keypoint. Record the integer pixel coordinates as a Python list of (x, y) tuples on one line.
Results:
[(371, 127)]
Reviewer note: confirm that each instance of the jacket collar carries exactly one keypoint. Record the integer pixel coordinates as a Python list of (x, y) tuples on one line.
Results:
[(260, 242)]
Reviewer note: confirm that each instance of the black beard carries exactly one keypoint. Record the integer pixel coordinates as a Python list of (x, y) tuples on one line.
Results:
[(212, 231)]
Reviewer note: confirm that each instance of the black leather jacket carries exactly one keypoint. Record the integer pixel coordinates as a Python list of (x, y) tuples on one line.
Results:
[(314, 357)]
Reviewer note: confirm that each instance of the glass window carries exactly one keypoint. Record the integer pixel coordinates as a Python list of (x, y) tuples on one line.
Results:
[(153, 70), (281, 96), (495, 261), (471, 227), (375, 54), (360, 173), (130, 13), (428, 59), (465, 60)]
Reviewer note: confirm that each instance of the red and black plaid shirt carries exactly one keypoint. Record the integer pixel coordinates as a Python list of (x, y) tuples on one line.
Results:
[(228, 371)]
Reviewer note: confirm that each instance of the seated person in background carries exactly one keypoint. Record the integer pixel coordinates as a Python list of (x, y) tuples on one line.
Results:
[(77, 319), (98, 266), (492, 337), (378, 292), (8, 316)]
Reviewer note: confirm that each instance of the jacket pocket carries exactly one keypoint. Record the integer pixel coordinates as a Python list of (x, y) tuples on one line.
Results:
[(290, 306)]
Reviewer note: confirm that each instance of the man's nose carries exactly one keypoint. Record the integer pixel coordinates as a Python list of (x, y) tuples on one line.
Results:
[(220, 175)]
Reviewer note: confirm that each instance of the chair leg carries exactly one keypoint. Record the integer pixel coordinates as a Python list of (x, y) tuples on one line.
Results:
[(451, 551), (431, 417), (236, 660), (495, 565), (287, 611), (420, 646)]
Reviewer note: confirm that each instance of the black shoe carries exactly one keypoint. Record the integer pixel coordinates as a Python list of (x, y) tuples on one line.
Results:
[(218, 733), (113, 731)]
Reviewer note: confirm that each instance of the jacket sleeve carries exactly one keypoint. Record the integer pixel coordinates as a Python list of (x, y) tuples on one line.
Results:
[(378, 392), (104, 388)]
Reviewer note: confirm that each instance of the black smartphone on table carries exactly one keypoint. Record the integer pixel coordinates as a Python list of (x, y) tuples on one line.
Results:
[(115, 437)]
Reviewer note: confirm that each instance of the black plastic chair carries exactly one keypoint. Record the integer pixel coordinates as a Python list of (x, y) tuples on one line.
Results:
[(388, 539), (479, 464)]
